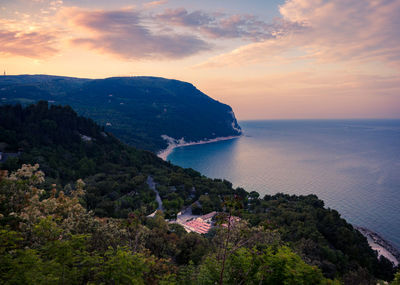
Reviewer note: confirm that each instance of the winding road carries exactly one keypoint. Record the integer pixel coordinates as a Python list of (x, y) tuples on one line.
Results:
[(152, 186)]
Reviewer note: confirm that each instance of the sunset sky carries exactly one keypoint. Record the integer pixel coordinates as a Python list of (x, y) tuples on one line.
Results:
[(268, 59)]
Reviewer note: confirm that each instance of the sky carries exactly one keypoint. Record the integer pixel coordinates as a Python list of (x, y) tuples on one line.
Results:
[(267, 59)]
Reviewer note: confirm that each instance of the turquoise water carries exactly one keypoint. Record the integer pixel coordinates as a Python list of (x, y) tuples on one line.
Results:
[(353, 165)]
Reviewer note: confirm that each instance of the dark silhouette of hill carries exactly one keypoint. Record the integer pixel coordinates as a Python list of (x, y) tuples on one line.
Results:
[(138, 110)]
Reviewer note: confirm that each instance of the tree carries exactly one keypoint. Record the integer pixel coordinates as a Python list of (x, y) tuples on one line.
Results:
[(396, 280), (268, 266)]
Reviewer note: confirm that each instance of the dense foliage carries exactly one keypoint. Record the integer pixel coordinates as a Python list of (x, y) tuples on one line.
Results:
[(69, 147), (105, 233), (55, 240), (139, 109), (320, 235)]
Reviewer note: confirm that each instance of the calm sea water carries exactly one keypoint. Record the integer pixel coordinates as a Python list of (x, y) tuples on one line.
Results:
[(353, 165)]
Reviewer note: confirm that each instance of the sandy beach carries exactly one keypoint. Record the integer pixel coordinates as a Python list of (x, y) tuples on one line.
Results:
[(173, 143), (383, 247)]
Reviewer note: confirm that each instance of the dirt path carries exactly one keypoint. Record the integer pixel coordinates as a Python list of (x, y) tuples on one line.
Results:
[(152, 185)]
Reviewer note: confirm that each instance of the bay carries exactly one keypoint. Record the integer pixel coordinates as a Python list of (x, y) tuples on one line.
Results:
[(352, 165)]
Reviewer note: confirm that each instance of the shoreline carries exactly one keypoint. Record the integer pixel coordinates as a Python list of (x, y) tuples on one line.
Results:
[(375, 240), (382, 246), (173, 143)]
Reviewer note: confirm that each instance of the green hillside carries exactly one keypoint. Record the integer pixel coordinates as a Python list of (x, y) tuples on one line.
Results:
[(299, 240), (138, 110)]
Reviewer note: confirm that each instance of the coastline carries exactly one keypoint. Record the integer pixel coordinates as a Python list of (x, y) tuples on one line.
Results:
[(376, 241), (382, 246), (173, 143)]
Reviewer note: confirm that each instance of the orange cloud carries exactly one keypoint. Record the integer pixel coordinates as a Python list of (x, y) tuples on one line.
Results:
[(33, 44), (337, 30), (155, 3)]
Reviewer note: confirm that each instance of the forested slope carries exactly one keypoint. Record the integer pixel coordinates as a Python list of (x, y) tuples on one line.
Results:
[(115, 242), (138, 110)]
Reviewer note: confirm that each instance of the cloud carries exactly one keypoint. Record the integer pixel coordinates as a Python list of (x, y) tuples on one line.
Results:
[(220, 25), (123, 33), (181, 17), (331, 31), (348, 29), (34, 44), (153, 4)]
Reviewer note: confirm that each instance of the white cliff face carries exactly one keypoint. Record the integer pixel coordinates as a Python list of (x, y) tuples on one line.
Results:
[(235, 125), (171, 140), (173, 143), (86, 138)]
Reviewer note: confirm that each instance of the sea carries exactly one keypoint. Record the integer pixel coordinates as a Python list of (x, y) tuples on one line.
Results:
[(352, 165)]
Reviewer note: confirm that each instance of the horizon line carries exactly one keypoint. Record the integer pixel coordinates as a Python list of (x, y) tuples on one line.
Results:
[(316, 119)]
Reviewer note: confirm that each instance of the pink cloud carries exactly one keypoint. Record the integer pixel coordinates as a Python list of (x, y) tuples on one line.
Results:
[(348, 29), (123, 33), (337, 30), (37, 44)]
